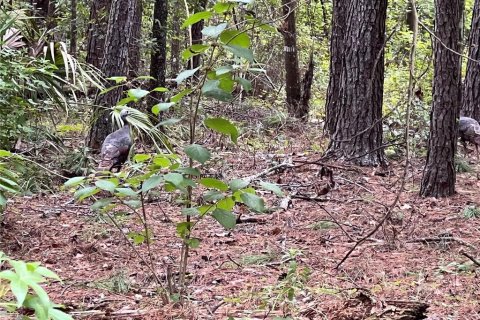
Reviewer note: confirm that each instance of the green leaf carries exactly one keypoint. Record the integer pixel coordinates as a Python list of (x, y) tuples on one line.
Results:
[(19, 290), (85, 193), (193, 243), (185, 74), (126, 192), (101, 203), (198, 153), (246, 84), (222, 126), (212, 89), (194, 50), (190, 211), (141, 157), (47, 273), (223, 70), (106, 185), (3, 199), (213, 195), (118, 79), (221, 7), (152, 182), (174, 178), (214, 31), (163, 106), (133, 203), (183, 229), (58, 314), (237, 184), (160, 89), (214, 183), (196, 17), (272, 187), (190, 171), (137, 93), (168, 122), (138, 238), (241, 52), (162, 161), (5, 153), (176, 98), (235, 38), (75, 181), (227, 219), (226, 204), (124, 101), (253, 201)]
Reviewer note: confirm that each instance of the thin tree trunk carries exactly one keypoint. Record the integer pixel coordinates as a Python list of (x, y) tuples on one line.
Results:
[(339, 25), (293, 87), (158, 62), (117, 44), (73, 28), (357, 132), (197, 32), (175, 40), (439, 173), (97, 31), (471, 89)]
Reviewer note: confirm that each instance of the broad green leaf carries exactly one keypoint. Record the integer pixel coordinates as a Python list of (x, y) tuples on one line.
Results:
[(137, 238), (212, 89), (124, 101), (3, 200), (183, 229), (246, 84), (169, 122), (190, 171), (176, 179), (214, 31), (144, 78), (106, 185), (58, 314), (176, 98), (235, 38), (241, 52), (193, 243), (223, 70), (162, 161), (190, 211), (237, 184), (227, 219), (85, 193), (196, 17), (141, 157), (19, 290), (213, 195), (214, 183), (133, 203), (226, 204), (47, 273), (75, 181), (253, 201), (185, 75), (152, 182), (126, 192), (5, 153), (101, 203), (197, 153), (163, 106), (137, 93), (272, 187), (222, 126)]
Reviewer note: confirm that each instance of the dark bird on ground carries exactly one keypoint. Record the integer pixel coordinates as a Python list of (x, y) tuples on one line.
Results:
[(469, 130), (116, 147)]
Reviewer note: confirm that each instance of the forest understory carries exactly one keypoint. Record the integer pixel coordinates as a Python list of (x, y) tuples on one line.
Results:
[(419, 255)]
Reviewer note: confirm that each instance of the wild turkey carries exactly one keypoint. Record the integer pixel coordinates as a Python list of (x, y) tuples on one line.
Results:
[(117, 145), (469, 130)]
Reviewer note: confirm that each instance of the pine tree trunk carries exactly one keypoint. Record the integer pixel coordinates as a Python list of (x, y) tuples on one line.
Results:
[(339, 25), (134, 53), (293, 87), (115, 63), (97, 31), (357, 112), (439, 173), (73, 28), (471, 90)]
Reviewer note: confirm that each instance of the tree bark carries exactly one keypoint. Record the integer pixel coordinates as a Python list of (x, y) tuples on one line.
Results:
[(158, 58), (115, 63), (293, 87), (200, 5), (339, 26), (135, 43), (97, 31), (175, 41), (73, 28), (439, 173), (471, 89), (357, 129)]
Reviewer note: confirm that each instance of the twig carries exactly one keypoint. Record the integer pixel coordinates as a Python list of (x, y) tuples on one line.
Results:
[(474, 260), (282, 165), (234, 262), (443, 239)]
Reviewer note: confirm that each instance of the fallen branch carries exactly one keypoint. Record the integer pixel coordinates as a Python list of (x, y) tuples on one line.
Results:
[(283, 165), (443, 239), (473, 259)]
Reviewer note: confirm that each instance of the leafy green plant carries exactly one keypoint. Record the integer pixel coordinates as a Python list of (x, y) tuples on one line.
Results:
[(8, 178), (471, 212), (24, 279)]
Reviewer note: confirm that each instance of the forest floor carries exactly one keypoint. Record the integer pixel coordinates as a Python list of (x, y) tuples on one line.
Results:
[(417, 256)]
